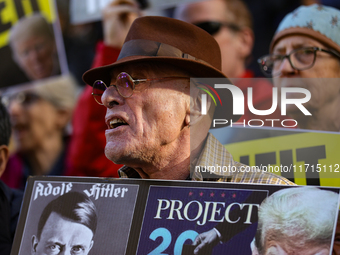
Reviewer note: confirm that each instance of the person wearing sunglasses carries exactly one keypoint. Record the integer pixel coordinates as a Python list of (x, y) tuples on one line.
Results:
[(305, 52), (40, 114), (230, 23)]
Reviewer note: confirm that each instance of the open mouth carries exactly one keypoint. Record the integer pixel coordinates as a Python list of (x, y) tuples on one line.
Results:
[(116, 123)]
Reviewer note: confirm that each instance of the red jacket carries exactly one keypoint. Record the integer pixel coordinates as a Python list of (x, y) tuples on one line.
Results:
[(86, 152)]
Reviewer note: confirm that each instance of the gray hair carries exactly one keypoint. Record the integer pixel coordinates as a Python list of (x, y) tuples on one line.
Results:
[(34, 25), (298, 216)]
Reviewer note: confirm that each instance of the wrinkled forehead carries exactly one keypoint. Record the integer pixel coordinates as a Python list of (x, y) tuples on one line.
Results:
[(290, 246), (295, 41)]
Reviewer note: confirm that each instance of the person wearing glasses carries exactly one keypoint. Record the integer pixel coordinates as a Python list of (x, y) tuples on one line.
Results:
[(154, 125), (40, 114), (305, 52), (230, 23)]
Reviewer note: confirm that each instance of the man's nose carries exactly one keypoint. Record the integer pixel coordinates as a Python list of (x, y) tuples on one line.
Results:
[(111, 97), (286, 68)]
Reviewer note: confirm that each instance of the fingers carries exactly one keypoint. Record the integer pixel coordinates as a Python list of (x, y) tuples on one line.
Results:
[(198, 248), (200, 241), (197, 240)]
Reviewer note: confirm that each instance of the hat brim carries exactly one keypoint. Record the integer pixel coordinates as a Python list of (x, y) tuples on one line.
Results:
[(193, 67)]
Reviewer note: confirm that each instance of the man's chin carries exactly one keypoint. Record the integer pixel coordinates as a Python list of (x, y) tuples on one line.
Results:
[(116, 156)]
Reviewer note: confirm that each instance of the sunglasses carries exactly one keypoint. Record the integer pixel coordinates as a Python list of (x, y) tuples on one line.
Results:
[(125, 85), (213, 27)]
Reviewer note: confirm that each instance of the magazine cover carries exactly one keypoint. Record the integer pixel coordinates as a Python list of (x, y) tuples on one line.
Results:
[(190, 220), (85, 218)]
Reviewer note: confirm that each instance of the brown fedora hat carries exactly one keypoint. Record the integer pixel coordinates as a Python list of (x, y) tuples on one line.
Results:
[(167, 40)]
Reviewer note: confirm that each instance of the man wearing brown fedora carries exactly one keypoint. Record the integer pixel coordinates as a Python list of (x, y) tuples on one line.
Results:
[(154, 129)]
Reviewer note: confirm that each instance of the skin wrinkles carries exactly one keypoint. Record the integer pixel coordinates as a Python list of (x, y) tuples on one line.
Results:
[(321, 80), (281, 248), (156, 114)]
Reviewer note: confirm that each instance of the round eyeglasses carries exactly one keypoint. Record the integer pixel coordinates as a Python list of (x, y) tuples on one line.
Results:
[(125, 85), (300, 59)]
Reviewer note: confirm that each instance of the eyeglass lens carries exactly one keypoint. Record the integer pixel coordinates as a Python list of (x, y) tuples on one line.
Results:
[(124, 85), (300, 59), (97, 90)]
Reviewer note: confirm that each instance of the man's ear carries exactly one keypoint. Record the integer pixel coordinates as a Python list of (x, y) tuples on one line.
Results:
[(4, 154), (196, 106), (34, 243), (91, 244)]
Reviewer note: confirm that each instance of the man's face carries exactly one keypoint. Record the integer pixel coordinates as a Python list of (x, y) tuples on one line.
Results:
[(321, 80), (154, 117), (228, 40), (36, 56), (62, 236)]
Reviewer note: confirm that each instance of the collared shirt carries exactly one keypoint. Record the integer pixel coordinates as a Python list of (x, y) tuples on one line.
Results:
[(215, 163)]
